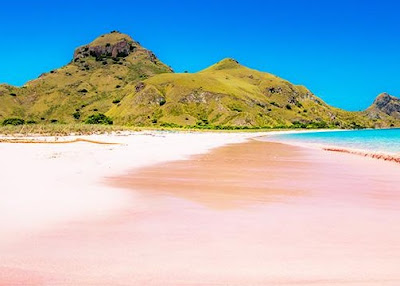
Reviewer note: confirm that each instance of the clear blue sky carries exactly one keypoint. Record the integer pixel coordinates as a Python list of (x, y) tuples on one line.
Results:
[(346, 52)]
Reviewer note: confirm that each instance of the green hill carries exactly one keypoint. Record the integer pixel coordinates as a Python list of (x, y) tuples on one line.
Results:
[(98, 75), (114, 75)]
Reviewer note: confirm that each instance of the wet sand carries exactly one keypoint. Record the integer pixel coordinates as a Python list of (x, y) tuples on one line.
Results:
[(252, 213)]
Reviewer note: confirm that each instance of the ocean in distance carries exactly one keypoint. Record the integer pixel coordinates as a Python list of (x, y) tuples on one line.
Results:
[(369, 140)]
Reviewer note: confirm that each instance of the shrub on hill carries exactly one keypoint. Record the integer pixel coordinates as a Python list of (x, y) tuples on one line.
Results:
[(299, 105), (170, 125), (13, 121), (99, 119), (310, 124), (274, 104), (76, 115)]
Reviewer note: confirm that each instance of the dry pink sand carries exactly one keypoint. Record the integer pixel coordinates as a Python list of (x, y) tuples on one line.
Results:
[(245, 214)]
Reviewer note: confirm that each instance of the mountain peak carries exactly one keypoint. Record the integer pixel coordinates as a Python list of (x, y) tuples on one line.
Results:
[(383, 99), (113, 44), (227, 63), (384, 96), (111, 38), (388, 104)]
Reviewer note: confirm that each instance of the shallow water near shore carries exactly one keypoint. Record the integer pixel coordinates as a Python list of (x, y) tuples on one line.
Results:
[(373, 140)]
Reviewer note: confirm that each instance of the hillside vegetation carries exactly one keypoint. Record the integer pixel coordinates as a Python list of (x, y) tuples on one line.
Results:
[(117, 77)]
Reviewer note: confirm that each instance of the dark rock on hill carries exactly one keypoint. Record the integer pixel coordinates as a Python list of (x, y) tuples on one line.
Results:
[(120, 49), (387, 104)]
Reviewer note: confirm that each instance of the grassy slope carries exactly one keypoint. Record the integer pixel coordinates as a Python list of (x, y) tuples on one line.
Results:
[(81, 87), (139, 90), (226, 95)]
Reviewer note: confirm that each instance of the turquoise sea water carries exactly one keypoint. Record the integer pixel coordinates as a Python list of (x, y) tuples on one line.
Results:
[(381, 140)]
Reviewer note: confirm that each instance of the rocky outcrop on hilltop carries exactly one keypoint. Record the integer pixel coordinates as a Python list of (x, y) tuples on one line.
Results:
[(119, 49), (387, 104), (114, 45)]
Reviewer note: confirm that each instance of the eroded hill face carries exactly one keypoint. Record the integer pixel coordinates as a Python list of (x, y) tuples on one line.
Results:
[(387, 105), (116, 76)]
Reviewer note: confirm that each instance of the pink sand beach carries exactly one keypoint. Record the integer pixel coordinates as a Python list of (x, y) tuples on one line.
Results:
[(244, 213)]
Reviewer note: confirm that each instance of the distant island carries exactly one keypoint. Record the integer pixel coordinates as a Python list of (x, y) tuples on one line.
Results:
[(114, 80)]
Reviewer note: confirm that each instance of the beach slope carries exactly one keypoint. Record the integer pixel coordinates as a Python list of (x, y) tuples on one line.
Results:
[(196, 209)]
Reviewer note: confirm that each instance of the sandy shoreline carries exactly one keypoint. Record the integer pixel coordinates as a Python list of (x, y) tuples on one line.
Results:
[(75, 171), (379, 155), (248, 213)]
